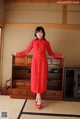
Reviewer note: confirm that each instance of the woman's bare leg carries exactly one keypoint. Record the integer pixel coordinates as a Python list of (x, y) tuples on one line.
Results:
[(38, 98)]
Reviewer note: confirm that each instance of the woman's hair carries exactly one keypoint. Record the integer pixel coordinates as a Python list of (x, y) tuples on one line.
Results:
[(38, 29)]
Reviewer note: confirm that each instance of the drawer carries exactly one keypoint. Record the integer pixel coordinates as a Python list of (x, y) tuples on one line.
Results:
[(51, 93), (19, 92), (28, 83), (31, 95), (21, 83)]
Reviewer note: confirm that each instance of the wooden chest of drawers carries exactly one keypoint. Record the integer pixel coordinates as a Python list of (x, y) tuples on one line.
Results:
[(21, 75)]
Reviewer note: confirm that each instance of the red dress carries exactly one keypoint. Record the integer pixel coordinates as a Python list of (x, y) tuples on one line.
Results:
[(39, 65)]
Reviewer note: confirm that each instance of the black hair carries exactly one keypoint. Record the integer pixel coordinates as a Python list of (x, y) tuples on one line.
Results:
[(38, 29)]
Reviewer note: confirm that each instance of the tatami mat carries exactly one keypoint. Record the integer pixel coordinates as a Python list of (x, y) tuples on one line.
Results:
[(45, 117), (12, 106), (21, 109), (56, 107)]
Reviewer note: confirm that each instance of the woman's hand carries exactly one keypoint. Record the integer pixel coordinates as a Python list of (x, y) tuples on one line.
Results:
[(14, 54), (62, 56)]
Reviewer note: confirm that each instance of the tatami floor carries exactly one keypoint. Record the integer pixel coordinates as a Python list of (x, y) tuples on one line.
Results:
[(26, 109)]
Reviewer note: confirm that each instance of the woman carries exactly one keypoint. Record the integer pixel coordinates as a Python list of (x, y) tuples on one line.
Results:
[(39, 66)]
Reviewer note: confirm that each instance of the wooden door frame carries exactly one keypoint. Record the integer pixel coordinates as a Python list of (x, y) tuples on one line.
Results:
[(1, 56)]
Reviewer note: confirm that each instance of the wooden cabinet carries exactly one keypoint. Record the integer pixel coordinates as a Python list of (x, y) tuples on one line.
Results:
[(72, 84), (21, 74), (55, 79)]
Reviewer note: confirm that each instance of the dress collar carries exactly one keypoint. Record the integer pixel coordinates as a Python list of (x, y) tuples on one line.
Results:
[(40, 39)]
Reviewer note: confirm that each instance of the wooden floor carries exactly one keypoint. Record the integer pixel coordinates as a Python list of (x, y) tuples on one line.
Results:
[(26, 109)]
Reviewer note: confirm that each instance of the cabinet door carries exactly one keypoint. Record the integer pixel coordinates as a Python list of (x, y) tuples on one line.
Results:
[(77, 84), (68, 83)]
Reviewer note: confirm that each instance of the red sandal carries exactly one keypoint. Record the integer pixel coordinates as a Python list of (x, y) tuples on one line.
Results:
[(36, 100), (38, 105)]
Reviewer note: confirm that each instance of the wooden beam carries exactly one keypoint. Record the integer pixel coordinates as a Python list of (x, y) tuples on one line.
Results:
[(46, 25), (64, 14)]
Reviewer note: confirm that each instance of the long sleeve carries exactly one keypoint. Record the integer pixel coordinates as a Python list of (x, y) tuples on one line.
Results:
[(25, 51), (50, 52)]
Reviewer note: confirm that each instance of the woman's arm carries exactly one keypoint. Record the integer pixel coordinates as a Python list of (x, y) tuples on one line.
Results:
[(50, 52), (25, 51)]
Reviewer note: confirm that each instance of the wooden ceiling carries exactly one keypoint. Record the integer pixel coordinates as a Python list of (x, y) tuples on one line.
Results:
[(54, 1), (47, 1)]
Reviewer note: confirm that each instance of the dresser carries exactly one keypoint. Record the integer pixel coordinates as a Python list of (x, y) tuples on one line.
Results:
[(21, 74)]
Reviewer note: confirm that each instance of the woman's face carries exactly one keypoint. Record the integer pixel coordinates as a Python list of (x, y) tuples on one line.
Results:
[(39, 34)]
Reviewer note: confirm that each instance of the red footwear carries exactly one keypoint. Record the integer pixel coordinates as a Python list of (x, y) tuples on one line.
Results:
[(37, 99), (38, 105)]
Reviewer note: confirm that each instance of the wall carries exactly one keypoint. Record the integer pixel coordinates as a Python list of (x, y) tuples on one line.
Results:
[(61, 26)]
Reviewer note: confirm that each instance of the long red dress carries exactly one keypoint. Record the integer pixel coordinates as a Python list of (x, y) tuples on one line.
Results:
[(39, 65)]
